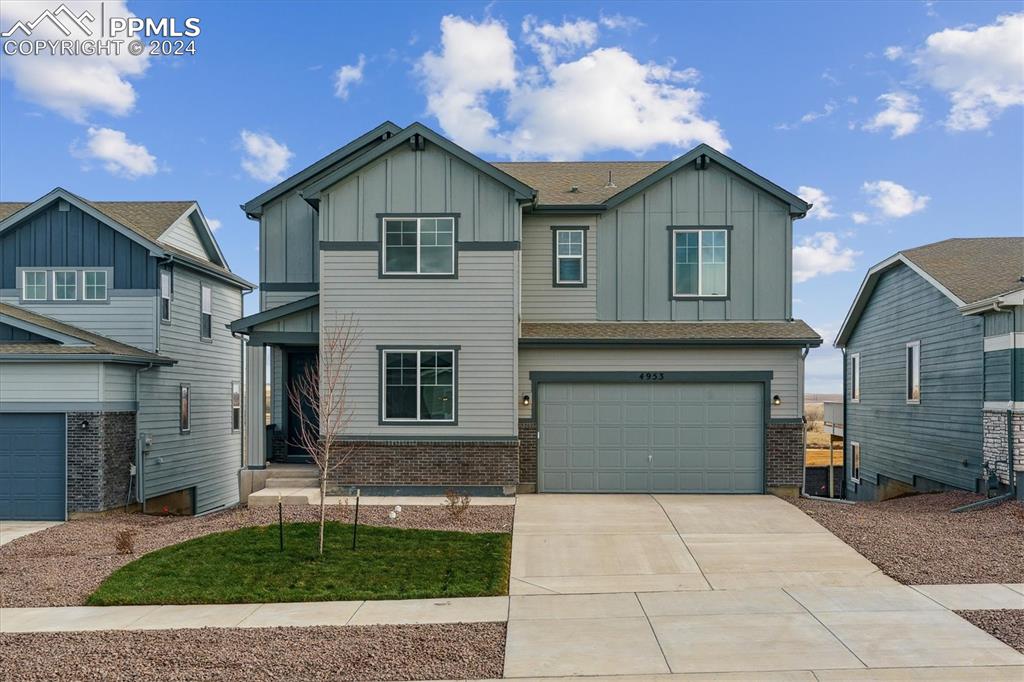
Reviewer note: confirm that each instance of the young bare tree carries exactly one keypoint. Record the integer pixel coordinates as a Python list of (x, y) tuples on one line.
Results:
[(319, 399)]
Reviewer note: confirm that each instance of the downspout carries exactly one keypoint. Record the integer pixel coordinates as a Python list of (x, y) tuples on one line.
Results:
[(139, 449)]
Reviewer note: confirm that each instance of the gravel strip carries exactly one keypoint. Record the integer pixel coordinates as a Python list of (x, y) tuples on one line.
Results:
[(63, 565), (1006, 625), (373, 652), (917, 541)]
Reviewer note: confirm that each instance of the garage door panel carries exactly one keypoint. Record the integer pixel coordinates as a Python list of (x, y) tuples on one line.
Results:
[(639, 437), (32, 479)]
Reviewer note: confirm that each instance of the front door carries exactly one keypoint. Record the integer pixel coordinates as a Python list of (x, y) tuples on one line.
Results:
[(299, 362)]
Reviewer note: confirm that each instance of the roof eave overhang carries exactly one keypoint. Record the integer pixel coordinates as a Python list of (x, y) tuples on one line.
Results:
[(39, 330), (711, 343), (1011, 298), (228, 277), (567, 208), (244, 325), (85, 357)]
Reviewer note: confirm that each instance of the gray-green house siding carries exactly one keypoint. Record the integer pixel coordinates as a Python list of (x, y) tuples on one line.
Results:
[(940, 439)]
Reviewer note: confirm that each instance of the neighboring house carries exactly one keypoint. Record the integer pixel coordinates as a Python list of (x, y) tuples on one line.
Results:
[(562, 327), (119, 379), (934, 380)]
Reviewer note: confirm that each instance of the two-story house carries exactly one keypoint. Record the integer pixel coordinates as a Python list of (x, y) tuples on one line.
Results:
[(560, 327), (119, 378)]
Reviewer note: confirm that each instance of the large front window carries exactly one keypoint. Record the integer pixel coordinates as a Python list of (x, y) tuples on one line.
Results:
[(419, 246), (419, 385), (700, 263)]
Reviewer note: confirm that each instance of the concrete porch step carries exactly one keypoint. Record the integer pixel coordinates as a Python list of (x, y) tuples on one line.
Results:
[(292, 483), (268, 497)]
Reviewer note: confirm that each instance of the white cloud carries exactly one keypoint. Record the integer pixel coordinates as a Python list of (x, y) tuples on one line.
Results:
[(620, 21), (566, 107), (893, 52), (119, 155), (859, 218), (822, 209), (894, 200), (821, 254), (214, 224), (265, 158), (830, 108), (981, 69), (347, 76), (902, 114), (72, 86)]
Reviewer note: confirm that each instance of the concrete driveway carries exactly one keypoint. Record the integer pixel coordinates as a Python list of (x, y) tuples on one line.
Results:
[(565, 544), (12, 530)]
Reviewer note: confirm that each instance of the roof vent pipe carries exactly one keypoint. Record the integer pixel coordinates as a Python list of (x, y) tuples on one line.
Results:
[(610, 183), (575, 189)]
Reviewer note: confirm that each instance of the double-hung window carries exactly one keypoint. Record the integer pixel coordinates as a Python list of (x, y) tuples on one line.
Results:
[(418, 385), (206, 312), (700, 263), (855, 378), (165, 295), (236, 406), (855, 462), (65, 285), (185, 408), (914, 372), (570, 261), (33, 285), (415, 246), (94, 285)]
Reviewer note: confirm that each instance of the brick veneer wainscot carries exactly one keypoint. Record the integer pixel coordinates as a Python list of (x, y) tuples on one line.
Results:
[(784, 459), (527, 451), (99, 456)]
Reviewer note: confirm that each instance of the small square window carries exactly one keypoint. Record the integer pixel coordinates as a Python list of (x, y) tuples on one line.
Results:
[(95, 285), (185, 408), (33, 285), (65, 285), (418, 246)]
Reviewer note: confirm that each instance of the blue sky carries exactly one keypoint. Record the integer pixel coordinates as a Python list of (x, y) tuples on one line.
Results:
[(903, 122)]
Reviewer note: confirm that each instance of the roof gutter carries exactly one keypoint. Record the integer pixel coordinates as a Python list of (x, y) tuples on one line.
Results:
[(233, 279), (541, 342)]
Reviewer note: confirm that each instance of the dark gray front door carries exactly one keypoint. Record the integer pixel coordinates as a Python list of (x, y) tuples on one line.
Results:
[(300, 364), (651, 437), (32, 479)]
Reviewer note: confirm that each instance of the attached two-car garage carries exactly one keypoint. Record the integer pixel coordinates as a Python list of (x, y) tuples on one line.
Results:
[(651, 434), (32, 467)]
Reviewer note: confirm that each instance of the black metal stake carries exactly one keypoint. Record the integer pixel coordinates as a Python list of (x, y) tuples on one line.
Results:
[(355, 524), (280, 523)]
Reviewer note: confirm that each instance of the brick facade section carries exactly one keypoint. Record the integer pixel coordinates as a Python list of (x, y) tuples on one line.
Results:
[(527, 451), (99, 456), (429, 463), (784, 459), (994, 443)]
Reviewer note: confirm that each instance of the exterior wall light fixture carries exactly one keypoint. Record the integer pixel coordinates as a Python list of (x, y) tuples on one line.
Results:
[(526, 400), (776, 400)]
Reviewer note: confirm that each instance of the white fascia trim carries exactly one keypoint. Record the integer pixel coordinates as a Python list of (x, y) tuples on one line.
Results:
[(1014, 298), (1003, 406), (1004, 342)]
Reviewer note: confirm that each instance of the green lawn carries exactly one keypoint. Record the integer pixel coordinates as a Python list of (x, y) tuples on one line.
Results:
[(247, 566)]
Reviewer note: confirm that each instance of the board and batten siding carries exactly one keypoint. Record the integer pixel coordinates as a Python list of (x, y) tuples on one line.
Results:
[(130, 319), (935, 438), (88, 384), (182, 235), (477, 312), (210, 456), (541, 300), (404, 181), (288, 242), (784, 363), (633, 255)]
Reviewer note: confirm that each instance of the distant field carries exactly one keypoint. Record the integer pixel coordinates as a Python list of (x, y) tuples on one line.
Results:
[(817, 438)]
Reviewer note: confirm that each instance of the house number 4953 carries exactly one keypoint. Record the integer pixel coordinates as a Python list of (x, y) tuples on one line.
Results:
[(652, 376)]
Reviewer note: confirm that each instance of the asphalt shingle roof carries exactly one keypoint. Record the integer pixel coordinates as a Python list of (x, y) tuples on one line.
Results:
[(791, 331), (98, 345), (554, 180), (973, 269), (147, 218)]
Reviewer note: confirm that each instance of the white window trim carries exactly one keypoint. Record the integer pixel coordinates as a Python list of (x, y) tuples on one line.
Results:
[(384, 386), (188, 414), (855, 389), (85, 289), (581, 258), (916, 345), (236, 387), (854, 458), (700, 263), (24, 285), (170, 294), (419, 244), (202, 311), (73, 272)]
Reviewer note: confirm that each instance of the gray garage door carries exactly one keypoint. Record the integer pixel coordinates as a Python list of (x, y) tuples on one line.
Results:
[(32, 482), (651, 437)]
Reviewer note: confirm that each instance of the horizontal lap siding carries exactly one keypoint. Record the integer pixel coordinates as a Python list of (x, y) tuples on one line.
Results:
[(50, 382), (128, 319), (477, 312), (182, 235), (932, 439), (273, 299), (784, 363), (209, 457), (541, 300)]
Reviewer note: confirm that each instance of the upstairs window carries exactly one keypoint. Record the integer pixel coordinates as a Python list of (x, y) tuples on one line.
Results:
[(33, 286), (165, 295), (236, 406), (570, 259), (206, 312), (65, 285), (700, 263), (94, 285), (418, 246), (418, 385), (855, 378), (855, 462), (914, 372), (185, 408)]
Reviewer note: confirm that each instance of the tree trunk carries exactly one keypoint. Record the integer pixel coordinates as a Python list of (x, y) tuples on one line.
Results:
[(323, 500)]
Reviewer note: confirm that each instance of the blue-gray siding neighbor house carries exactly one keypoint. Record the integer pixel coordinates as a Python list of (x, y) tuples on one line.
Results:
[(120, 381), (934, 370), (561, 327)]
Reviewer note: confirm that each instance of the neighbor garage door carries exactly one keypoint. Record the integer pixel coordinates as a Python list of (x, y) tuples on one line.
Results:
[(651, 437), (32, 481)]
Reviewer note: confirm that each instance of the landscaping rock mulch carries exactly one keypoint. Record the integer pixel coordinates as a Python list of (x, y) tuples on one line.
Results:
[(917, 541), (1006, 625), (63, 565), (373, 652)]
